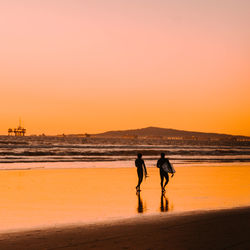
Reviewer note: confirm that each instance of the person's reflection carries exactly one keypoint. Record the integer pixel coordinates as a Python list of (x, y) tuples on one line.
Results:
[(140, 207), (164, 203)]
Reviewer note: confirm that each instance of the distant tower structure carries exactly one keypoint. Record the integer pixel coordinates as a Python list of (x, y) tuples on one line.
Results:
[(19, 131), (10, 131)]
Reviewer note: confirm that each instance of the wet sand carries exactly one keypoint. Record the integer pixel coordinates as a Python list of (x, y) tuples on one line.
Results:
[(99, 208), (222, 229), (61, 197)]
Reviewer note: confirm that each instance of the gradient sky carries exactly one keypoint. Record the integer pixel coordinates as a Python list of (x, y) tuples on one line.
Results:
[(90, 66)]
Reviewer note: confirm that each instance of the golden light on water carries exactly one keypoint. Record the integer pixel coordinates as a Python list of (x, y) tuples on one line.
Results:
[(37, 198)]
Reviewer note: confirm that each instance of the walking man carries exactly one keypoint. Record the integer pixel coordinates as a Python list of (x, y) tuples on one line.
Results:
[(163, 173), (141, 167)]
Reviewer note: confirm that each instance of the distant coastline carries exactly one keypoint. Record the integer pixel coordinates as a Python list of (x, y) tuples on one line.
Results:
[(155, 133), (171, 134)]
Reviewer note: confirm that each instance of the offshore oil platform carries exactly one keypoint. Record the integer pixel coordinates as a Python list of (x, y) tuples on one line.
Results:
[(19, 131)]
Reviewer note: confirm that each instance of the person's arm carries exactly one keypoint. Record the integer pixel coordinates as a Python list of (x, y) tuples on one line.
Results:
[(170, 167), (158, 164), (145, 169)]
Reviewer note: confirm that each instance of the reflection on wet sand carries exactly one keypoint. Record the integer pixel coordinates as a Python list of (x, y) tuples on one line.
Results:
[(164, 203), (140, 207), (49, 197)]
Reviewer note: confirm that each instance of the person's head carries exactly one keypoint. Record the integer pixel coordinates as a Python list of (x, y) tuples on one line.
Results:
[(162, 155), (139, 155)]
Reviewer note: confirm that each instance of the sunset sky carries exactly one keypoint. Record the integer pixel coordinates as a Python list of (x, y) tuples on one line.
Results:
[(71, 66)]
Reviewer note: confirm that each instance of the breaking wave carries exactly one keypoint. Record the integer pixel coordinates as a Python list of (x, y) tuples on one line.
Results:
[(14, 153)]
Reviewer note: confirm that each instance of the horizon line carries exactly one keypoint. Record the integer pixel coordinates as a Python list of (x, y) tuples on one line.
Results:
[(119, 130)]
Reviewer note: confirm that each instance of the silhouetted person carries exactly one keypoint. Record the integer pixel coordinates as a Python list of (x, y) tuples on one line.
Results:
[(139, 163), (164, 207), (163, 174)]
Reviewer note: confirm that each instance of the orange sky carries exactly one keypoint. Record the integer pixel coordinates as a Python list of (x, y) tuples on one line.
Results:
[(91, 66)]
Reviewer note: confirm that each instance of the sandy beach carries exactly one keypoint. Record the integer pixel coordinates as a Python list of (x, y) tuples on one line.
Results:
[(99, 209), (223, 229), (89, 89)]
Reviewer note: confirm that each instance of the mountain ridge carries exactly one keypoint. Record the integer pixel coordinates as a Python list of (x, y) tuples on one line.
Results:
[(166, 132)]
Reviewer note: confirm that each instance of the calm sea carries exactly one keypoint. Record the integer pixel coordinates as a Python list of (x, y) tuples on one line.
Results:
[(46, 151)]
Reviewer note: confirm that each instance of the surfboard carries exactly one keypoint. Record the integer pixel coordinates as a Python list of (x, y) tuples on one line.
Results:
[(169, 168)]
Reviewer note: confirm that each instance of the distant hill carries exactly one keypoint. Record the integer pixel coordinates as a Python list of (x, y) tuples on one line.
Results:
[(155, 132)]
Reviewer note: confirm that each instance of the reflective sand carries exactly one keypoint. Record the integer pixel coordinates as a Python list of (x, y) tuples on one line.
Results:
[(54, 197)]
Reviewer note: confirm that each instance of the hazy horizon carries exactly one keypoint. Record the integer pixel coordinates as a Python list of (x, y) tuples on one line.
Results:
[(115, 130), (91, 66)]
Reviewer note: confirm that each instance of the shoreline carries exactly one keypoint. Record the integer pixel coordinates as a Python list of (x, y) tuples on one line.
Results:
[(60, 197), (213, 229), (11, 166)]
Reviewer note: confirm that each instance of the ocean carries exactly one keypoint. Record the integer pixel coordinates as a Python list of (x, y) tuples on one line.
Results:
[(48, 151)]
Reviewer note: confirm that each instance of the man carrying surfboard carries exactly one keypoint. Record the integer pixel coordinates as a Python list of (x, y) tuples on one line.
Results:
[(165, 167), (141, 167)]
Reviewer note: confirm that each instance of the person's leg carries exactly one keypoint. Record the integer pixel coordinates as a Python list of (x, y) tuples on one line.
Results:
[(162, 178), (167, 179), (140, 177)]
